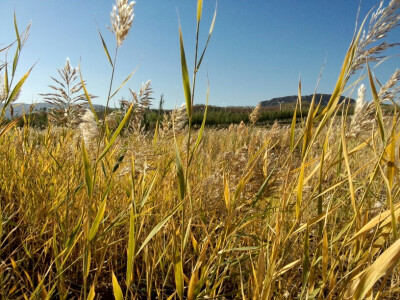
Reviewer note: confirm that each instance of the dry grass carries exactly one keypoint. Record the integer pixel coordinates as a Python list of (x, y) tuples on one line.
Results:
[(304, 211)]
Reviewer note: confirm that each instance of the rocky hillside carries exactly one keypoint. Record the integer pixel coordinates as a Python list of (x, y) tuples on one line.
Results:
[(305, 99)]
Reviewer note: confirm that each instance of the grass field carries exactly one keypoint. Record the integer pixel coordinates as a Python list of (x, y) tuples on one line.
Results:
[(307, 210)]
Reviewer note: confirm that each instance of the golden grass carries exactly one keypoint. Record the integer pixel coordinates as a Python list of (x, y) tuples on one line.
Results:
[(241, 227), (306, 211)]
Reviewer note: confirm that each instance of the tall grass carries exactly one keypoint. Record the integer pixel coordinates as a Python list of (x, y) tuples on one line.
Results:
[(306, 211)]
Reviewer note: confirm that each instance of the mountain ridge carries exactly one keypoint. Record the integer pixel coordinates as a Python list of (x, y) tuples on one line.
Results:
[(293, 99)]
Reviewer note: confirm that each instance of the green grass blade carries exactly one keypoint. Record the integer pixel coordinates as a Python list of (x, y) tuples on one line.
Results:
[(185, 76), (209, 37), (148, 191), (115, 135), (15, 61), (88, 171), (16, 32), (262, 187), (88, 98), (98, 219), (15, 92), (105, 49), (179, 172), (131, 248), (124, 82)]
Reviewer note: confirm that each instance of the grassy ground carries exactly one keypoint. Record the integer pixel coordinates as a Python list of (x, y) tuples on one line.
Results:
[(237, 232)]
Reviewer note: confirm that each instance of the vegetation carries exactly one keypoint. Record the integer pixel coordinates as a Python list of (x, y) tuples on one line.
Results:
[(308, 210)]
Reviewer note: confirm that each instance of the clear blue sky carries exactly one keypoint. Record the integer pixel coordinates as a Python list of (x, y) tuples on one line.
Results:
[(258, 49)]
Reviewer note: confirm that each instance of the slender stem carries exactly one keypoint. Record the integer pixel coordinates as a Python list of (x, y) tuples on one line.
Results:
[(111, 82), (192, 100)]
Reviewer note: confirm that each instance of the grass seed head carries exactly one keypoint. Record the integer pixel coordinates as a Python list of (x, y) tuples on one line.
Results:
[(88, 126), (121, 19), (180, 117), (371, 46), (256, 113)]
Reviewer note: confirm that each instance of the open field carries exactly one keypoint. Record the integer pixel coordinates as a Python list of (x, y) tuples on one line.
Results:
[(96, 207), (239, 230)]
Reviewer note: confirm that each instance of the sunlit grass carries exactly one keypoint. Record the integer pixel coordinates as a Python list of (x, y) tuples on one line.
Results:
[(307, 210)]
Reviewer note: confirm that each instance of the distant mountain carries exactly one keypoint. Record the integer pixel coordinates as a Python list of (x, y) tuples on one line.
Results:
[(305, 99), (21, 108)]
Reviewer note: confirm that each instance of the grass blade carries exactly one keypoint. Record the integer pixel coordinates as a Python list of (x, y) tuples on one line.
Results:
[(16, 32), (209, 37), (293, 128), (160, 225), (9, 126), (88, 98), (15, 92), (383, 264), (105, 49), (6, 87), (15, 61), (185, 77), (98, 219), (88, 171), (131, 248), (300, 186), (325, 255), (116, 288), (124, 82), (379, 115), (178, 268), (201, 131), (179, 172), (351, 187), (199, 10), (92, 293), (115, 135), (306, 259)]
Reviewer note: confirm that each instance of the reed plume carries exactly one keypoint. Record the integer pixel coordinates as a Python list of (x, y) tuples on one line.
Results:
[(179, 117), (88, 126), (68, 102), (255, 114), (122, 17), (371, 46)]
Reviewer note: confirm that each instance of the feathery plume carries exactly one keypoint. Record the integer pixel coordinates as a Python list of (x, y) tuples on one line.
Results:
[(3, 95), (179, 117), (255, 115), (114, 118), (88, 126), (362, 118), (121, 19), (388, 92), (242, 127), (67, 99), (382, 21), (360, 102)]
